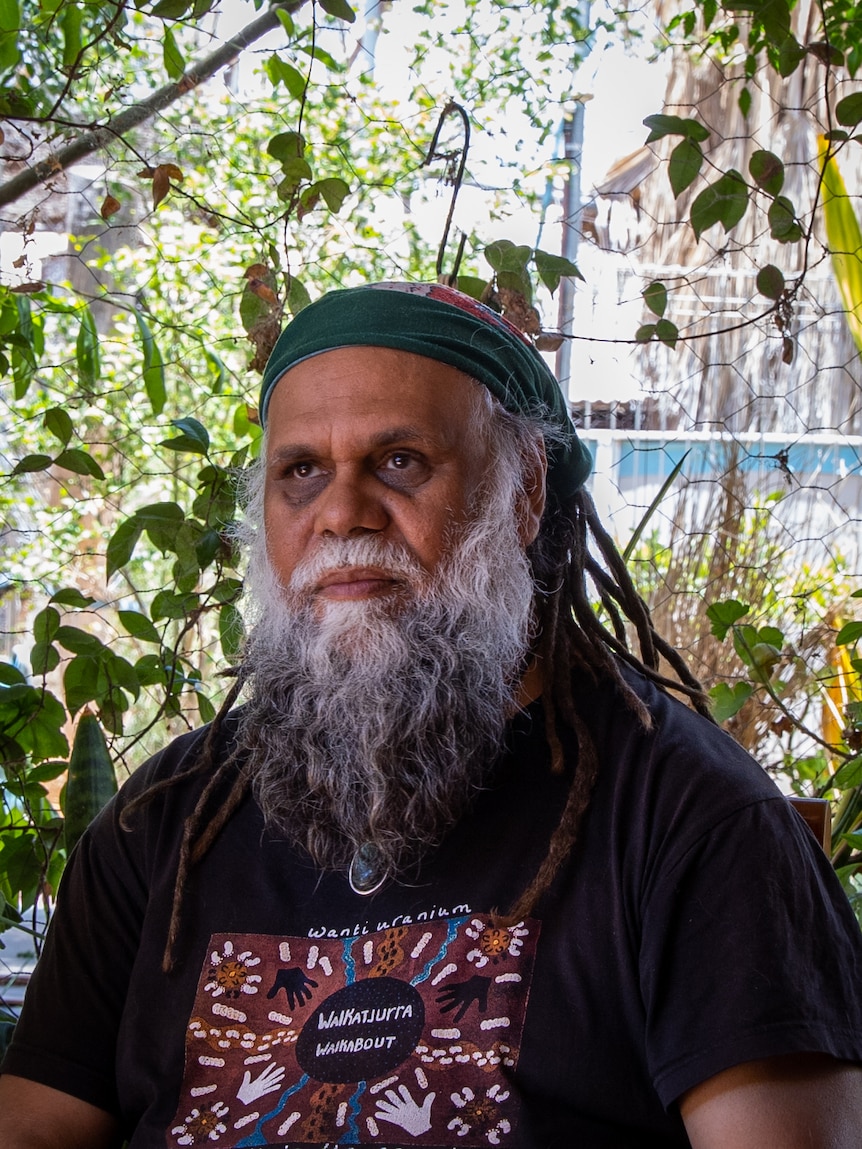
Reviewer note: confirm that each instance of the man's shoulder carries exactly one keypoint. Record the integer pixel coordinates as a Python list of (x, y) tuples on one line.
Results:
[(680, 750)]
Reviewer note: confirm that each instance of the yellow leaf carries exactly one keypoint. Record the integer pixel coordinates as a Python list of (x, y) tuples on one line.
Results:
[(844, 237)]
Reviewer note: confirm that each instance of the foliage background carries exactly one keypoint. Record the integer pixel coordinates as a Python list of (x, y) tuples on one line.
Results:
[(208, 169)]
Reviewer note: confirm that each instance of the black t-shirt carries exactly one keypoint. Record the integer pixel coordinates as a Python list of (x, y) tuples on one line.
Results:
[(696, 925)]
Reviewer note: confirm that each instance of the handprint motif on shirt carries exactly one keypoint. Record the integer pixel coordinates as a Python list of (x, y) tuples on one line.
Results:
[(400, 1109), (267, 1082), (296, 984), (461, 995)]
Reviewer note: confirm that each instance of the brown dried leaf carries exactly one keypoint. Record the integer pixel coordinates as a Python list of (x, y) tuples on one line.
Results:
[(173, 171), (257, 271), (263, 336), (110, 207), (27, 288), (2, 136), (146, 173), (20, 261), (787, 350), (262, 291), (161, 185), (518, 311), (548, 341)]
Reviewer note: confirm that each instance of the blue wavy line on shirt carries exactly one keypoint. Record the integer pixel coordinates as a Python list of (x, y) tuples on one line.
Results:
[(451, 933), (349, 964), (257, 1137), (352, 1137)]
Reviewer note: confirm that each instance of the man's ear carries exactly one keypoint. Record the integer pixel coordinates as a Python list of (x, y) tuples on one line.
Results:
[(531, 504)]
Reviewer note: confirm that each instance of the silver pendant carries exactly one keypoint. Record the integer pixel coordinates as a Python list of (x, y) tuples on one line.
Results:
[(366, 875)]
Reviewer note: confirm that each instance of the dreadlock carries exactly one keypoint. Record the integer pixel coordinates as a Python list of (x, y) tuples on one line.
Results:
[(573, 559)]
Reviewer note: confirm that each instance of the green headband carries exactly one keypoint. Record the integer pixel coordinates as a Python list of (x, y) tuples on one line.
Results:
[(443, 324)]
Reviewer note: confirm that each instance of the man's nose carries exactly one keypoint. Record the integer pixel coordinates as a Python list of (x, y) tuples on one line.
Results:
[(349, 505)]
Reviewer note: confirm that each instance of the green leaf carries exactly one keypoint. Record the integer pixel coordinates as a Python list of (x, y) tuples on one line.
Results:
[(122, 545), (80, 463), (790, 55), (744, 102), (783, 224), (473, 286), (154, 369), (161, 521), (770, 282), (10, 675), (849, 633), (280, 72), (722, 202), (175, 63), (340, 9), (552, 268), (46, 624), (31, 463), (655, 297), (723, 615), (166, 604), (503, 255), (297, 296), (194, 437), (661, 125), (70, 22), (71, 596), (296, 171), (138, 626), (849, 110), (205, 708), (59, 423), (44, 658), (286, 146), (667, 332), (10, 24), (207, 547), (217, 371), (334, 192), (83, 682), (286, 21), (645, 333), (78, 641), (685, 164), (231, 631), (87, 352), (728, 701), (228, 590), (849, 775), (767, 171), (170, 9), (318, 53), (151, 670)]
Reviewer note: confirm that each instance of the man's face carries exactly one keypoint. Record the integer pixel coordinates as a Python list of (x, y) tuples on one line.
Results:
[(369, 441)]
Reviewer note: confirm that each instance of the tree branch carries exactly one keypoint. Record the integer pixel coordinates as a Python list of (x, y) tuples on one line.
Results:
[(91, 140)]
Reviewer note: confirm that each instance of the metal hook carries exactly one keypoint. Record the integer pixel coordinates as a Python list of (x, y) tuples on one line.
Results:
[(454, 177)]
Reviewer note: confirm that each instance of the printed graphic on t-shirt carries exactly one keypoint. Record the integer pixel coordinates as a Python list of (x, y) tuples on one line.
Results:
[(406, 1036)]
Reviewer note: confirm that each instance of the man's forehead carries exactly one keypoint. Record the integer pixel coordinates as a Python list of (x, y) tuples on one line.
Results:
[(405, 391)]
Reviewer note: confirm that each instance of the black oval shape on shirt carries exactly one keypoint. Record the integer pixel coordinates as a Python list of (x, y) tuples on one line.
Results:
[(361, 1031)]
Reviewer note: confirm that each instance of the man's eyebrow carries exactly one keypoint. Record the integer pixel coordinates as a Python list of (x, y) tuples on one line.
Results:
[(291, 452)]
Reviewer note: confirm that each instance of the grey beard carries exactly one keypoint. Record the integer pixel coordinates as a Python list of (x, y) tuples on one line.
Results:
[(377, 723)]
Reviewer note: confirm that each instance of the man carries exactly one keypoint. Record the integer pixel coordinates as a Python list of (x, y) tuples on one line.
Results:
[(460, 871)]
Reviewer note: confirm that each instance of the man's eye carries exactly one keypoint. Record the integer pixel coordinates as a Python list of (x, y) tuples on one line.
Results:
[(405, 468), (301, 471)]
